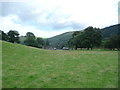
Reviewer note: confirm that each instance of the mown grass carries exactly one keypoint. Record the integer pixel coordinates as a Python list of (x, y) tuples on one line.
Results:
[(28, 67)]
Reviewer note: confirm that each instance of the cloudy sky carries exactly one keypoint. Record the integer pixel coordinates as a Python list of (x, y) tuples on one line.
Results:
[(47, 18)]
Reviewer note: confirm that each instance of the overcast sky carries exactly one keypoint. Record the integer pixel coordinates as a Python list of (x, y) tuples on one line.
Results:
[(47, 18)]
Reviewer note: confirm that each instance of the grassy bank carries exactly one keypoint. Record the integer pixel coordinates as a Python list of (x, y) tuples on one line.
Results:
[(28, 67)]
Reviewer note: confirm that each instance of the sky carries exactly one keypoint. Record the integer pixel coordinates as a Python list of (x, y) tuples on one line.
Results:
[(47, 18)]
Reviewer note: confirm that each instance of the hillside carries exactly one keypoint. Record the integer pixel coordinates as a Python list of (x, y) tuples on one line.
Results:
[(62, 39), (28, 67), (111, 30)]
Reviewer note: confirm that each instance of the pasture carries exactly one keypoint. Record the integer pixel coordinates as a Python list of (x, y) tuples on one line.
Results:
[(28, 67)]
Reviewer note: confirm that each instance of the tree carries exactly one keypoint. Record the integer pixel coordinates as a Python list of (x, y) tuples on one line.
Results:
[(3, 36), (74, 41), (13, 36), (40, 42), (113, 42), (92, 37), (80, 40), (71, 43), (30, 39), (47, 43), (88, 38), (75, 33), (0, 34)]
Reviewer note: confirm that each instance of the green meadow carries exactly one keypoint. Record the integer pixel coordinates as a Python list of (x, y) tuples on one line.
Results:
[(29, 67)]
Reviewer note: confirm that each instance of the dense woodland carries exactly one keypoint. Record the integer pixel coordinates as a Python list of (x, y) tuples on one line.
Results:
[(89, 38)]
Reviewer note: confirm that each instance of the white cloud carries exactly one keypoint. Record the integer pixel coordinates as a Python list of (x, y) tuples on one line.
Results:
[(98, 13), (8, 23), (58, 14)]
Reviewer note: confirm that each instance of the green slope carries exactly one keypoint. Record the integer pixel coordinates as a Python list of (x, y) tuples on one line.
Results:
[(28, 67), (111, 30), (61, 40)]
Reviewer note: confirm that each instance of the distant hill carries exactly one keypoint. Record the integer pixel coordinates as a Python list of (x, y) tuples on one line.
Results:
[(111, 30), (61, 40)]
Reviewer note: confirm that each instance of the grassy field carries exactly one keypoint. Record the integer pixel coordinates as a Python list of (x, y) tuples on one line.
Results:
[(28, 67)]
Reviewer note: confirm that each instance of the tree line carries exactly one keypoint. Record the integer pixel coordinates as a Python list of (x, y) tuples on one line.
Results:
[(112, 43), (30, 39), (88, 38), (93, 38)]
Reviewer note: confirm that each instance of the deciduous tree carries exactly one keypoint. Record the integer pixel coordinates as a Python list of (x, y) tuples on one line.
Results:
[(13, 36), (30, 39)]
